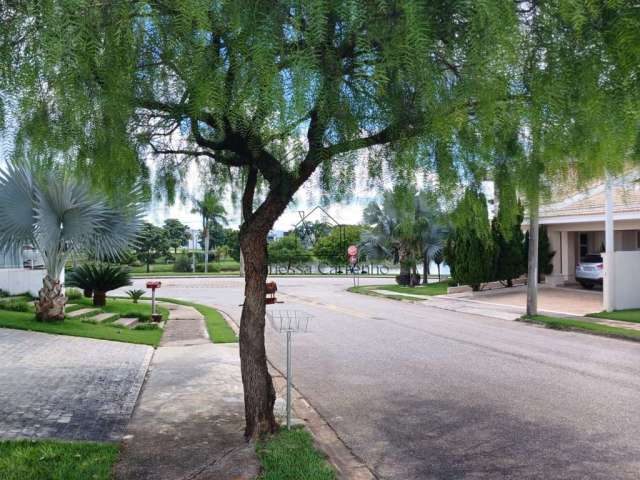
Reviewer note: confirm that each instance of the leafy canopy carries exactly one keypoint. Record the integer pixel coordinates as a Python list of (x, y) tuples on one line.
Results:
[(276, 89)]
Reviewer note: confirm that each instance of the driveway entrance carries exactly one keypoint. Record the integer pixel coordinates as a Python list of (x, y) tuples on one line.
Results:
[(567, 300)]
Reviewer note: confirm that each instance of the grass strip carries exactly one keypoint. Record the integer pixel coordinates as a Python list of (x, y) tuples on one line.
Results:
[(56, 460), (218, 328), (585, 326), (290, 455), (632, 315), (431, 289)]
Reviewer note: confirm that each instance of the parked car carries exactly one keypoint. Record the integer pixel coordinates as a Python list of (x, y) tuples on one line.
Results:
[(590, 271)]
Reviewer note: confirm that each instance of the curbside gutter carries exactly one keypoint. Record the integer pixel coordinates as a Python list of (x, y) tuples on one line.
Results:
[(347, 464)]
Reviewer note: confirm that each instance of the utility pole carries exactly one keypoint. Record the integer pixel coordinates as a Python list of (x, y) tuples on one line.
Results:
[(193, 251)]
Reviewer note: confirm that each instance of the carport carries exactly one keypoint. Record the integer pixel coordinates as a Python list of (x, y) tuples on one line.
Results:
[(605, 220)]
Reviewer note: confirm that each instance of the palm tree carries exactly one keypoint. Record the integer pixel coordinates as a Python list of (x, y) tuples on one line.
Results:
[(213, 215), (434, 230), (406, 227), (60, 216)]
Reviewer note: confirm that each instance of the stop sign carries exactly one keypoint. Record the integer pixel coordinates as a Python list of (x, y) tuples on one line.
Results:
[(352, 251)]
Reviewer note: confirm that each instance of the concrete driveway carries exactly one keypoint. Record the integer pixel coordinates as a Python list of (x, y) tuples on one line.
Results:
[(419, 392), (564, 300)]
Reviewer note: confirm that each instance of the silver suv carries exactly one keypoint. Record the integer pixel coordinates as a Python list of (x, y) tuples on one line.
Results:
[(590, 271)]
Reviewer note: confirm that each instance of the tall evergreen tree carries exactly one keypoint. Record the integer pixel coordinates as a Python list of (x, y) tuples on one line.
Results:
[(469, 251)]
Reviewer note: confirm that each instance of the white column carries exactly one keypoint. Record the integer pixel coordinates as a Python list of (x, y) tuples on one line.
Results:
[(609, 245)]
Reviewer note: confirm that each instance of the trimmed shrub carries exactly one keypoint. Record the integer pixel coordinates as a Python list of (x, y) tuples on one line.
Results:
[(136, 295), (99, 278), (182, 264), (73, 293), (14, 306)]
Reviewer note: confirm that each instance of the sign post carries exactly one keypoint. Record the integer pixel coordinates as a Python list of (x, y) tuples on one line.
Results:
[(352, 253)]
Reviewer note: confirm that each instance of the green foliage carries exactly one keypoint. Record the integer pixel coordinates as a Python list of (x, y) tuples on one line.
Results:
[(311, 232), (545, 254), (152, 243), (136, 294), (98, 277), (406, 227), (73, 293), (178, 234), (232, 240), (291, 455), (287, 250), (508, 240), (14, 306), (53, 459), (469, 251), (332, 248), (182, 264)]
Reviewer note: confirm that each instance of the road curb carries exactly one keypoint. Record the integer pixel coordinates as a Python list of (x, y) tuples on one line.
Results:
[(347, 464)]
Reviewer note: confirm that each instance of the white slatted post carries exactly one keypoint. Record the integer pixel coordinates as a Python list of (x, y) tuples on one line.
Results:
[(609, 245)]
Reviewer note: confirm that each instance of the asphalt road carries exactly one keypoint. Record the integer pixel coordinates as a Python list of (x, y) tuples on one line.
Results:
[(424, 393)]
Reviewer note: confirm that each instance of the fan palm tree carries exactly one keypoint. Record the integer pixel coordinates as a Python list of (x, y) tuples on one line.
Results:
[(61, 216), (405, 227), (213, 215)]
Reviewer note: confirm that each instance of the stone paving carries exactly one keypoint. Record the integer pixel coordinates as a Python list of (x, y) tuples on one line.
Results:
[(55, 386)]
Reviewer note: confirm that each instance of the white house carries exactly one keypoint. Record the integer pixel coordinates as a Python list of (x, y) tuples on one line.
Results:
[(605, 215)]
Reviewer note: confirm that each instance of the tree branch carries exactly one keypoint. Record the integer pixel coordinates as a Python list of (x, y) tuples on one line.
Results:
[(249, 193)]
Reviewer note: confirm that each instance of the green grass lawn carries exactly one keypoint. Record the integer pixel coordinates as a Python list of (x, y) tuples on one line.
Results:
[(571, 324), (123, 307), (290, 455), (53, 460), (439, 288), (80, 327), (218, 328), (622, 315)]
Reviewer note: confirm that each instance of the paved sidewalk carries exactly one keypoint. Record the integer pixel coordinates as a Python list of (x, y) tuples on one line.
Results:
[(189, 421), (55, 386)]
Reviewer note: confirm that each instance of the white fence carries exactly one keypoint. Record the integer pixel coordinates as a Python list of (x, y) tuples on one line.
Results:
[(626, 283), (21, 280)]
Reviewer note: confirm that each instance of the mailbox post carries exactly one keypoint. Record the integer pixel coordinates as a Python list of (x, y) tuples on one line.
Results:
[(156, 317)]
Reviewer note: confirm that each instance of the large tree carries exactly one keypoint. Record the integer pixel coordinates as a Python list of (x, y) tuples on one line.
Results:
[(178, 234), (263, 93)]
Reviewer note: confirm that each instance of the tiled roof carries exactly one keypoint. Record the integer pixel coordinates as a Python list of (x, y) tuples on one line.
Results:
[(626, 199)]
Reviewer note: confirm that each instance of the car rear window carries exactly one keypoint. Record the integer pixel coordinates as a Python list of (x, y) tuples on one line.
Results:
[(591, 259)]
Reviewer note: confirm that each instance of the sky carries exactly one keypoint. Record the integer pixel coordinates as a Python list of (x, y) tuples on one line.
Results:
[(308, 197)]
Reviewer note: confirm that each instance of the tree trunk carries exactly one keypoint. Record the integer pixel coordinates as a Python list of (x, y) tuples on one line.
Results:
[(206, 250), (99, 299), (425, 269), (51, 301), (532, 270), (259, 394), (148, 262)]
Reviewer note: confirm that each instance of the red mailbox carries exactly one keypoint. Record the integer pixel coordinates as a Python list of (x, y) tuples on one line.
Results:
[(153, 284), (270, 290)]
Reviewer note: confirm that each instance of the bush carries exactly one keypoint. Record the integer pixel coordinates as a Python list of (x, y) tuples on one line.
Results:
[(3, 293), (14, 306), (182, 264), (136, 295), (100, 278), (73, 293)]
